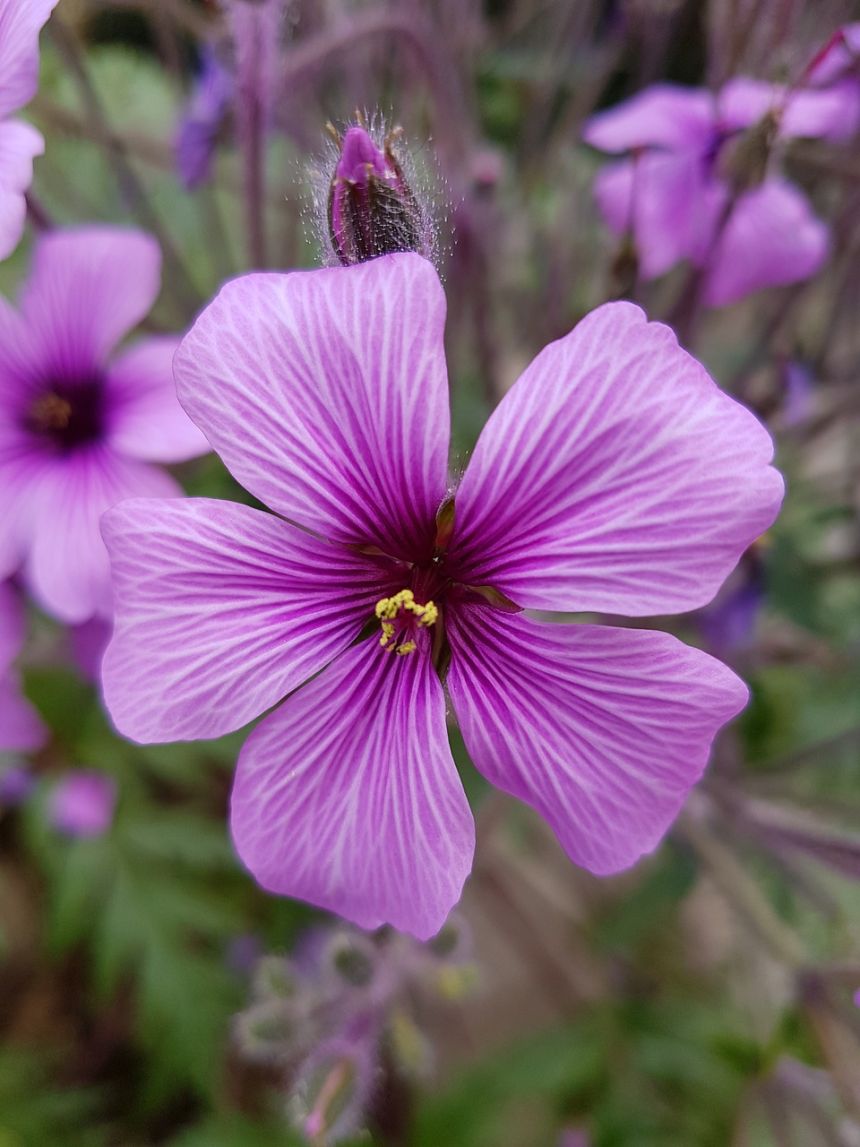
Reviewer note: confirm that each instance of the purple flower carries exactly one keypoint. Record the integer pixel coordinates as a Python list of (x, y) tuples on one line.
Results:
[(20, 24), (698, 188), (82, 803), (615, 476), (78, 427), (202, 120), (20, 728)]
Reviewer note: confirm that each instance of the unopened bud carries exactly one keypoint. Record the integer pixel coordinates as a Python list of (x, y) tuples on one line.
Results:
[(372, 209), (270, 1032), (331, 1092), (352, 959), (408, 1046), (274, 977)]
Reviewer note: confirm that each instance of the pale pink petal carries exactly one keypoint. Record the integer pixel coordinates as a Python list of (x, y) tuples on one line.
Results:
[(220, 611), (325, 393), (146, 420), (347, 795), (21, 468), (21, 731), (88, 287), (11, 625), (664, 201), (67, 568), (614, 476), (771, 239), (88, 642), (603, 731), (20, 24), (19, 145), (827, 113), (20, 728), (664, 115)]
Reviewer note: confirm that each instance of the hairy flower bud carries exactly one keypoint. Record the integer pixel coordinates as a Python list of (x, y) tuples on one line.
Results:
[(331, 1090), (372, 209), (274, 977)]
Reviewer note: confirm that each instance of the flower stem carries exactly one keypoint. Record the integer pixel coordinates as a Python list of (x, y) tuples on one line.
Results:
[(177, 278)]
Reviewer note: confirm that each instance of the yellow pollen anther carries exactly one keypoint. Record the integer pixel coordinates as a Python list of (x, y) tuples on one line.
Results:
[(387, 608), (403, 602)]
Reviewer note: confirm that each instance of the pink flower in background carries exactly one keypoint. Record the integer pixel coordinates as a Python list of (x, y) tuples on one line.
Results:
[(675, 195), (20, 24), (79, 426), (20, 728), (82, 803), (203, 120), (615, 476)]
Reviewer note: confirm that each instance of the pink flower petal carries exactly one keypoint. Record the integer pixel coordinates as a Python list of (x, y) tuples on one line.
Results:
[(824, 114), (220, 611), (88, 287), (771, 239), (67, 569), (11, 625), (664, 115), (20, 728), (19, 145), (146, 420), (603, 731), (326, 395), (347, 796), (665, 201), (614, 476), (21, 731), (20, 24)]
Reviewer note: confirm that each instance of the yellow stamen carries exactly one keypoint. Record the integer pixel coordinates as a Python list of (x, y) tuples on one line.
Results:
[(387, 609)]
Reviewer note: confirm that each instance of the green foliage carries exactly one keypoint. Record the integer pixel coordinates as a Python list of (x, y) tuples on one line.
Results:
[(36, 1112)]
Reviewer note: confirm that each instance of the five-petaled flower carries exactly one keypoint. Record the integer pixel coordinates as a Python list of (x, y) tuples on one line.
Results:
[(78, 430), (615, 476), (699, 183)]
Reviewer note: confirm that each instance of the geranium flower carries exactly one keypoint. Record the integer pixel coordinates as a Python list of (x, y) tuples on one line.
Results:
[(20, 728), (699, 186), (20, 24), (615, 476), (79, 429)]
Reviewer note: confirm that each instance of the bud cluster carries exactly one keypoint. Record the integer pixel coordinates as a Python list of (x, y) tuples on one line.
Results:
[(330, 1015)]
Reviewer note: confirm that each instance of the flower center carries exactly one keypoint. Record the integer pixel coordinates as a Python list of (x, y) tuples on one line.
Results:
[(68, 416), (402, 618)]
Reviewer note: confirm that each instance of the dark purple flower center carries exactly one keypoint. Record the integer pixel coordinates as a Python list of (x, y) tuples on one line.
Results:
[(67, 416)]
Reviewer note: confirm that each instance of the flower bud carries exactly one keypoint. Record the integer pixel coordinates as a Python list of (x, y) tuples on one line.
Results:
[(352, 959), (331, 1091), (271, 1032), (274, 977), (372, 210)]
